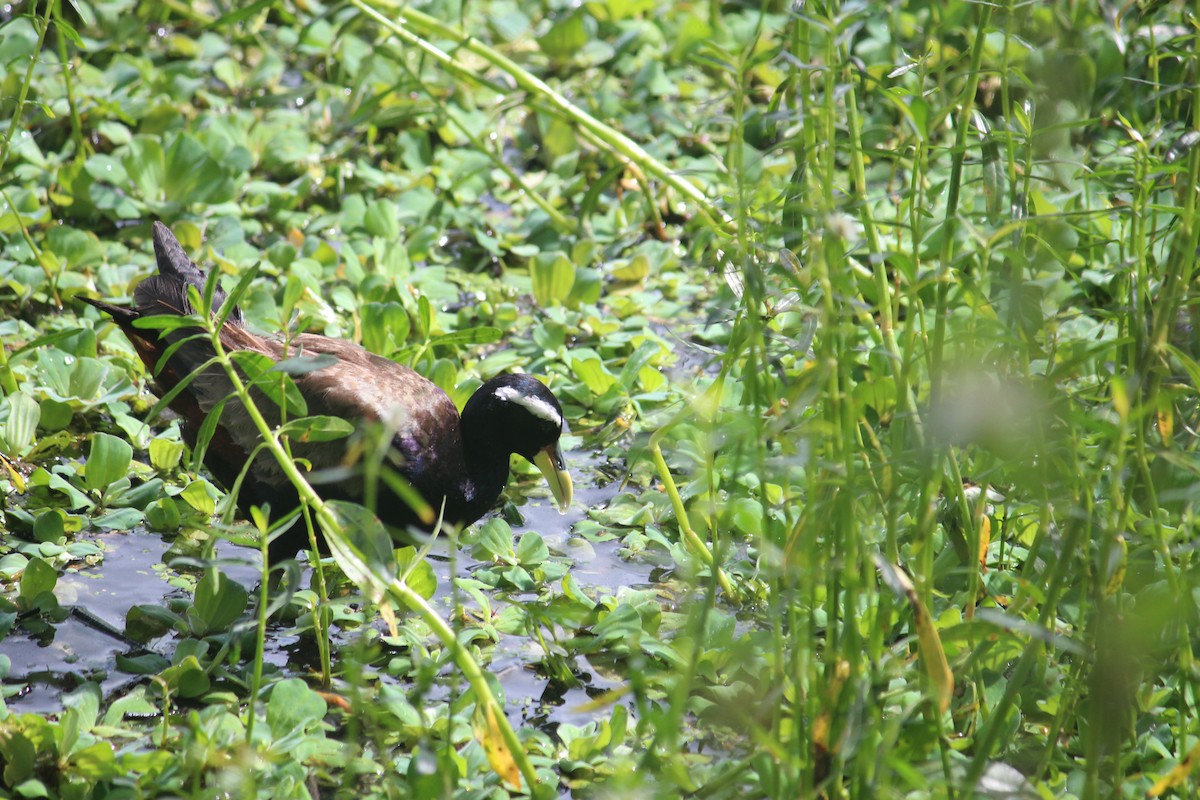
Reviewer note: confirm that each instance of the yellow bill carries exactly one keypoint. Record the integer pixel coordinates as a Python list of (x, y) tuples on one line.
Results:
[(550, 463)]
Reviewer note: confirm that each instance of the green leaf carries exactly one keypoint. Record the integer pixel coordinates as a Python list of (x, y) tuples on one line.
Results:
[(50, 525), (532, 550), (594, 375), (304, 364), (87, 377), (38, 577), (381, 220), (121, 519), (317, 429), (146, 622), (589, 283), (165, 454), (19, 757), (622, 624), (479, 335), (145, 165), (20, 428), (553, 276), (163, 515), (197, 494), (218, 602), (381, 320), (361, 546), (566, 37), (640, 358), (84, 702), (748, 516), (55, 414), (277, 386), (95, 762), (145, 664), (293, 708), (635, 270), (419, 573), (495, 542), (108, 461), (167, 322), (188, 677)]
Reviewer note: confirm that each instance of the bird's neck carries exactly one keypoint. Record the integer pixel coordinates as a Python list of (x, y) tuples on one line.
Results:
[(486, 462)]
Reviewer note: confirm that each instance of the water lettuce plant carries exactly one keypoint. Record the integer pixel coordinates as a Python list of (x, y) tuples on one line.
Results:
[(874, 327)]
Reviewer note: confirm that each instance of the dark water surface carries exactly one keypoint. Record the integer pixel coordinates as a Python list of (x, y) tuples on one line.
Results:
[(85, 645)]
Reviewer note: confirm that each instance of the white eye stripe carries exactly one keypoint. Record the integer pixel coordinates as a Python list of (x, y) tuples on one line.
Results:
[(534, 405)]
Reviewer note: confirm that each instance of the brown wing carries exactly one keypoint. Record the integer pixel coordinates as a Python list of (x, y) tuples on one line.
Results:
[(360, 387), (421, 418)]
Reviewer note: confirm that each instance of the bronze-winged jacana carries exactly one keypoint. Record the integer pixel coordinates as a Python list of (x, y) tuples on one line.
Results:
[(459, 460)]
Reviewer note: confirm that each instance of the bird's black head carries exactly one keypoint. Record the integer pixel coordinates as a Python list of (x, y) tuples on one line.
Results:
[(519, 414), (523, 416)]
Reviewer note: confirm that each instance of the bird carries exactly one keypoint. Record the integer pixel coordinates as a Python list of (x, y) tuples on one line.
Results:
[(458, 463)]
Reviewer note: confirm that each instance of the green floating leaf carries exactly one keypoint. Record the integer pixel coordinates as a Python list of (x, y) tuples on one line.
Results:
[(294, 708), (482, 334), (108, 461), (96, 762), (145, 664), (381, 322), (532, 550), (165, 454), (218, 602), (50, 525), (636, 270), (361, 546), (553, 276), (84, 702), (20, 428), (748, 516), (163, 515), (197, 494), (38, 577), (55, 414), (566, 37), (187, 678), (419, 574), (146, 622), (594, 375), (495, 542)]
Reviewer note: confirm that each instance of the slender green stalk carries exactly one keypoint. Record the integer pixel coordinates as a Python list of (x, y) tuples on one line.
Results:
[(395, 587), (618, 143), (15, 123), (51, 278), (695, 543), (69, 85), (8, 379), (260, 635), (950, 219)]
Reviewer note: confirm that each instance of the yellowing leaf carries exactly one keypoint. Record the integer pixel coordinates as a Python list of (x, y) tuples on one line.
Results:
[(929, 644), (1120, 399), (487, 731), (1118, 555), (388, 615), (1166, 421), (17, 480), (1178, 774), (635, 270), (985, 538)]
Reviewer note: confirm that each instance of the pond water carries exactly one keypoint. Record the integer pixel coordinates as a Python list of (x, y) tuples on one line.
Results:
[(86, 644)]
